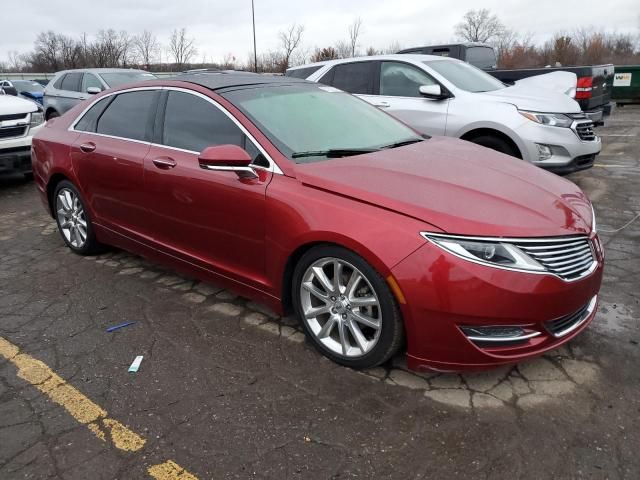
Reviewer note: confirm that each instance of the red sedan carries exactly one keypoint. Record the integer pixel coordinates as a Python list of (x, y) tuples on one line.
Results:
[(312, 201)]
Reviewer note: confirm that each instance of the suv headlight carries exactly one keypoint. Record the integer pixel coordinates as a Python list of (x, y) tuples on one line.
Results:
[(488, 251), (550, 119), (37, 118)]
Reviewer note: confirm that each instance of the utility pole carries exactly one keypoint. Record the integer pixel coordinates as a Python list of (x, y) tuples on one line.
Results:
[(255, 52)]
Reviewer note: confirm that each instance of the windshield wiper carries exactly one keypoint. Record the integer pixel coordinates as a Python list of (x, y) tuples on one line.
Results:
[(403, 143), (334, 152)]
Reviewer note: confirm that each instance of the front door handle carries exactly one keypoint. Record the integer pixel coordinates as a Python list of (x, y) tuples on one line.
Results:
[(382, 104), (164, 163), (88, 147)]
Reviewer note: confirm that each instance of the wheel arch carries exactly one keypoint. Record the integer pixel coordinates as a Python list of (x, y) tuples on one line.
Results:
[(492, 132), (53, 182), (49, 111), (301, 249)]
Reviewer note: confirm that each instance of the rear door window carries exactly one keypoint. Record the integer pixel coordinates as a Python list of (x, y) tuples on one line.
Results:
[(482, 57), (127, 116), (353, 77), (71, 82)]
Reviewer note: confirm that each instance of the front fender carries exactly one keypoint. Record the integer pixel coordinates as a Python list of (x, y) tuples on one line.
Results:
[(299, 216)]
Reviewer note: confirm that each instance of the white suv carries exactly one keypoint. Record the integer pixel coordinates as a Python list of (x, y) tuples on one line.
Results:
[(20, 120), (444, 96)]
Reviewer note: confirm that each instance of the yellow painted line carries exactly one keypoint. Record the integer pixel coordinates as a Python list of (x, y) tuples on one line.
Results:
[(79, 407), (611, 166), (86, 412), (170, 470)]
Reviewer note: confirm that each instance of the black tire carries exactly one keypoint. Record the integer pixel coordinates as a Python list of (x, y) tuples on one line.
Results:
[(391, 336), (90, 246), (52, 114), (496, 143)]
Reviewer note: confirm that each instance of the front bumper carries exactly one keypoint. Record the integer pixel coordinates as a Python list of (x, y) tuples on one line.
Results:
[(569, 152), (15, 153), (444, 293)]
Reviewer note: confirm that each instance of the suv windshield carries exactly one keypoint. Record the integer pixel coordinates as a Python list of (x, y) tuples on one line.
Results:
[(115, 79), (465, 76), (28, 86), (310, 123)]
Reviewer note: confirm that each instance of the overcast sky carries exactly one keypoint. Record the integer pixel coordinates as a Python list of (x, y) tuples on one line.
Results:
[(224, 27)]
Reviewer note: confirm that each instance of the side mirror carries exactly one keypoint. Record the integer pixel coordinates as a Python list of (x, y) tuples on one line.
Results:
[(93, 90), (432, 91), (227, 158)]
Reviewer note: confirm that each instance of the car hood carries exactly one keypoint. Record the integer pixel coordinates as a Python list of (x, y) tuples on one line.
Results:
[(13, 105), (459, 188), (526, 97)]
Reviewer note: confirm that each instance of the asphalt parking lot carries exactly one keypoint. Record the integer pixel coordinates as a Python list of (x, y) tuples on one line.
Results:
[(228, 390)]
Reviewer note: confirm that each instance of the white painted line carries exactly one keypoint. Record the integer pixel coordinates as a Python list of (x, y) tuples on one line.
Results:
[(618, 135)]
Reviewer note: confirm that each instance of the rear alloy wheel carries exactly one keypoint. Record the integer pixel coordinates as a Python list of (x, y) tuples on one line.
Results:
[(73, 222), (346, 308)]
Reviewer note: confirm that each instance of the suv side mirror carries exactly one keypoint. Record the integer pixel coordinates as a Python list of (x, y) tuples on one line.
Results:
[(227, 158), (93, 90), (433, 91)]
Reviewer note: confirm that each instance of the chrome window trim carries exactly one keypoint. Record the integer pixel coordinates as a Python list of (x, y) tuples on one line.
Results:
[(585, 274), (273, 166)]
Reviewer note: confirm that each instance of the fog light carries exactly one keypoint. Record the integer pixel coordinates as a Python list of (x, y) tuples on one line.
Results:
[(544, 151)]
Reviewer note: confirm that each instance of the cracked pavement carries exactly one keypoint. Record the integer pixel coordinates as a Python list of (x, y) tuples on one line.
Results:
[(229, 390)]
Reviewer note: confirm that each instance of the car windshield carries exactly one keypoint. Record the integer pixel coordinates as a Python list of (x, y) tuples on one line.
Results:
[(115, 79), (27, 86), (310, 123), (465, 76)]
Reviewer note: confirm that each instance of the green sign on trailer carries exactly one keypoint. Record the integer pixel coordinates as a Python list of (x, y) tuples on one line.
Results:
[(626, 84)]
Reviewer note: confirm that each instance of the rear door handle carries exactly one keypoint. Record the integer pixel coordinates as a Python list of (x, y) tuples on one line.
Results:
[(164, 163), (88, 147), (382, 105)]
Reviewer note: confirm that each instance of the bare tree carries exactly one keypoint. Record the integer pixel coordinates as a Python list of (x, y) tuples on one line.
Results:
[(354, 33), (327, 53), (181, 48), (290, 40), (343, 49), (393, 47), (479, 26), (145, 47), (15, 61)]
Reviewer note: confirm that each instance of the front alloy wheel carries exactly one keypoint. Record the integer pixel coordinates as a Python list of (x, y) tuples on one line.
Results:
[(346, 307)]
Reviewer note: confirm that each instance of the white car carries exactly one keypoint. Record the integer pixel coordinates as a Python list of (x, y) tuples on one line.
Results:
[(444, 96), (20, 120)]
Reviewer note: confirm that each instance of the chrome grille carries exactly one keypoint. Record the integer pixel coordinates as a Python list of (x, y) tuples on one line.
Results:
[(564, 325), (585, 131), (9, 132), (569, 258)]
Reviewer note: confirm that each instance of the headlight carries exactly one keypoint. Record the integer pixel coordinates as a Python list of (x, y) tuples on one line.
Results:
[(550, 119), (37, 118), (486, 251), (593, 220)]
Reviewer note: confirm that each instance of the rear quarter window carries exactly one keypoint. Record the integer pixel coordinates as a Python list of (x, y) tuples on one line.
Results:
[(58, 82), (302, 72)]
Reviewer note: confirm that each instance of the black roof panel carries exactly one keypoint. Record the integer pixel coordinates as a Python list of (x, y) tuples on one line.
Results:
[(218, 80)]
